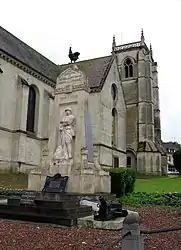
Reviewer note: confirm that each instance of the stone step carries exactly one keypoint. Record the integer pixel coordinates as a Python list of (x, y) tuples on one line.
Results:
[(65, 217), (13, 201), (64, 200), (61, 212), (57, 204), (74, 195), (106, 196), (68, 195), (45, 203), (67, 222), (56, 197), (65, 212)]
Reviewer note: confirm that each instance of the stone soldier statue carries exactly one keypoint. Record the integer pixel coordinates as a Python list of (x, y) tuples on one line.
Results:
[(67, 132)]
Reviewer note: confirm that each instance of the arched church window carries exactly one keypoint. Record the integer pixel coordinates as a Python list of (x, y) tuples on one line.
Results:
[(128, 68), (128, 161), (32, 100), (114, 91), (114, 127)]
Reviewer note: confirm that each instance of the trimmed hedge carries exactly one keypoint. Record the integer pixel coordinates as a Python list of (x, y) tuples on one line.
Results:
[(122, 180)]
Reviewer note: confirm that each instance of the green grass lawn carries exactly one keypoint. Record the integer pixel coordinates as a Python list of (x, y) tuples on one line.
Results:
[(155, 184)]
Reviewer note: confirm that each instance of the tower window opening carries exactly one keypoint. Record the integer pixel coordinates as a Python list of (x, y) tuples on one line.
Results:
[(128, 67)]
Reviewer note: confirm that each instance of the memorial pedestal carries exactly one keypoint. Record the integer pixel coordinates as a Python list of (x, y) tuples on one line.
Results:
[(64, 168), (71, 136), (89, 181), (81, 181), (36, 179)]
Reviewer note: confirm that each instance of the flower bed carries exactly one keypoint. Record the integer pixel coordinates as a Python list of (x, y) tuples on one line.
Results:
[(143, 198), (6, 192)]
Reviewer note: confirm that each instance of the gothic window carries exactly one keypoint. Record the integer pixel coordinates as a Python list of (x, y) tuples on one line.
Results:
[(128, 68), (128, 161), (115, 161), (114, 91), (32, 99), (114, 127)]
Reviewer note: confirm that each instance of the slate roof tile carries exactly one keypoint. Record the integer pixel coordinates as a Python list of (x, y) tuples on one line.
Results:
[(25, 54), (95, 69)]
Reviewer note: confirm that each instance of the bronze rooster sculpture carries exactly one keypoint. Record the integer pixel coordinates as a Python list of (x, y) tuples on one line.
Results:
[(73, 56)]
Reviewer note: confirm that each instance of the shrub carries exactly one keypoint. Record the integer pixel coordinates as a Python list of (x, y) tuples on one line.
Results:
[(122, 181), (177, 160), (143, 198)]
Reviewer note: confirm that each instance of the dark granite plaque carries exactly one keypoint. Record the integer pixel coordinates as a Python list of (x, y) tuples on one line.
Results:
[(28, 198), (55, 184)]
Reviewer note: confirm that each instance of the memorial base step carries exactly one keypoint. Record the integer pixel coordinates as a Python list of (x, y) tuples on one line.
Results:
[(64, 217)]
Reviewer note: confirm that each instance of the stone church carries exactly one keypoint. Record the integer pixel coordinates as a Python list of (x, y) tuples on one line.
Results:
[(123, 97)]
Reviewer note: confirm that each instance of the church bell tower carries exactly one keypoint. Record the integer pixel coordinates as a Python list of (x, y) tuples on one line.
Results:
[(138, 73)]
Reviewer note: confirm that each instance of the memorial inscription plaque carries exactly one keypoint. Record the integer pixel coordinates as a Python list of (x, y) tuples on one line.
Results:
[(55, 184), (28, 198)]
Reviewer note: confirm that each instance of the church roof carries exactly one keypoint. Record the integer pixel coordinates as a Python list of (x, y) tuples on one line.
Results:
[(170, 145), (149, 146), (95, 69), (22, 52)]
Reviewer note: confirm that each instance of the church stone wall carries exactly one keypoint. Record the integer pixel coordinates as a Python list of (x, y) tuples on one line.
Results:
[(132, 127), (130, 88), (142, 100), (156, 103), (19, 149), (5, 149), (149, 162), (107, 152), (95, 112)]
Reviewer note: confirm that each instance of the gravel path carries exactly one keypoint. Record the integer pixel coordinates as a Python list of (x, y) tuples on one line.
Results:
[(155, 218), (30, 236)]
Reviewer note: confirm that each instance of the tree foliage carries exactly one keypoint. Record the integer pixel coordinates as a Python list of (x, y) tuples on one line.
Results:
[(177, 160)]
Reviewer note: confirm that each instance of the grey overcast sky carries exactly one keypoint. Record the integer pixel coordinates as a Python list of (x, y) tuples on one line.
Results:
[(51, 27)]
